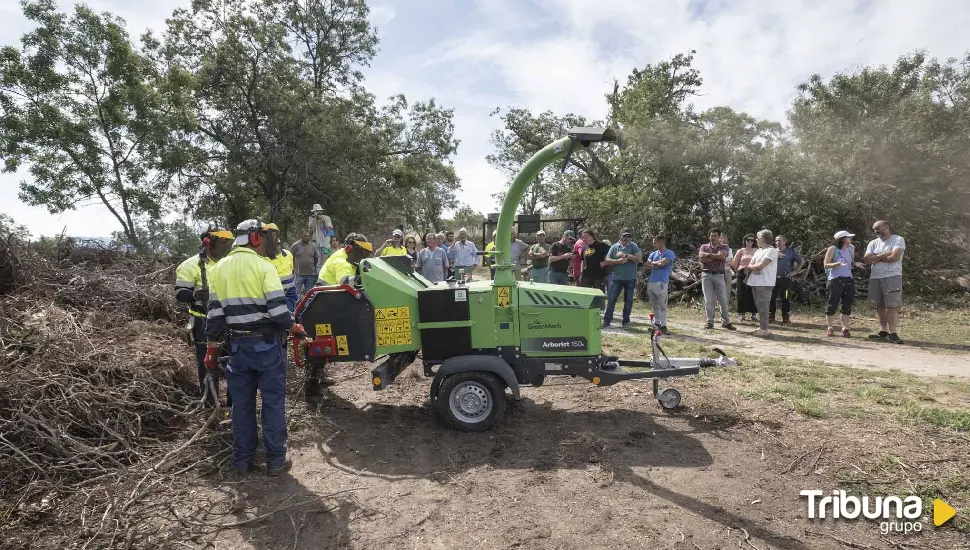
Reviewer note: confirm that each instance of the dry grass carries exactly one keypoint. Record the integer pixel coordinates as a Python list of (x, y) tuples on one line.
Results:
[(881, 431)]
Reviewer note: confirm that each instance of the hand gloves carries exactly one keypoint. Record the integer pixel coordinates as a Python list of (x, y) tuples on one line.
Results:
[(298, 331), (211, 358), (201, 295)]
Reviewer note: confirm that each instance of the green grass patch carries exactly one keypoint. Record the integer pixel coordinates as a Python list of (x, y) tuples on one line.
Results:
[(817, 390)]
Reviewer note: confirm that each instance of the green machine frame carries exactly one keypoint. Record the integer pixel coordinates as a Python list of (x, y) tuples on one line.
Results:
[(475, 339)]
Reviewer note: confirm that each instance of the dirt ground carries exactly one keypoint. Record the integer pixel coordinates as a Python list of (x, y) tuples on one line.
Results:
[(571, 466)]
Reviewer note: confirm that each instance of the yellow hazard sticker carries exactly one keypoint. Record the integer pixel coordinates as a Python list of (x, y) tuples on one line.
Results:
[(394, 326), (504, 296), (342, 347), (322, 329)]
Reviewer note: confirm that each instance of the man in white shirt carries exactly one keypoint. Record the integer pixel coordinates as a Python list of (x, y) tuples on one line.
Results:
[(885, 255), (465, 254)]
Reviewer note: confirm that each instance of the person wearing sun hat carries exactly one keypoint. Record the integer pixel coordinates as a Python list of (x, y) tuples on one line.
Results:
[(321, 229), (840, 287)]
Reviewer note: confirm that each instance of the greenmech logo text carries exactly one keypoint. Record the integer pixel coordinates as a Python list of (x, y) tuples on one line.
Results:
[(544, 326)]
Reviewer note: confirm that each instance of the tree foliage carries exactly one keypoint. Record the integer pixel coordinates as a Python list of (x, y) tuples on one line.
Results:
[(284, 120), (881, 142), (90, 117)]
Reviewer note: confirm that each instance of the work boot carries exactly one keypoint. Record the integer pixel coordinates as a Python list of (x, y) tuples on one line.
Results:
[(894, 338), (709, 325), (273, 471), (881, 337), (785, 320), (664, 331), (327, 381), (728, 326), (771, 318)]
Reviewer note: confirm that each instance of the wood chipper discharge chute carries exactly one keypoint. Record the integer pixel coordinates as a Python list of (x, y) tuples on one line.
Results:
[(476, 339)]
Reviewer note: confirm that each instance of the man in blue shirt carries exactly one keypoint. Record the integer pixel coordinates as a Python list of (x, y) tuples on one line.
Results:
[(790, 262), (660, 262), (625, 257)]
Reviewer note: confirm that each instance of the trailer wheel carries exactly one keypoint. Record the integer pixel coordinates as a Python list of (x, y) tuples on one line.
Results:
[(471, 401), (669, 399)]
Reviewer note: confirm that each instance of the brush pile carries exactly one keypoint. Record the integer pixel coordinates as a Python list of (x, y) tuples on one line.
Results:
[(95, 387)]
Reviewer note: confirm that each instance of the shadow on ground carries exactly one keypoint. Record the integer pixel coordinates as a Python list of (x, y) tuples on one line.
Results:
[(406, 442)]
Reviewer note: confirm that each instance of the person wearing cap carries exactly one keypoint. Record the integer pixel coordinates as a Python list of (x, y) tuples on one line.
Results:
[(790, 262), (393, 246), (539, 255), (490, 255), (247, 302), (560, 253), (840, 286), (625, 257), (464, 254), (283, 262), (321, 229), (885, 255), (341, 269), (192, 288)]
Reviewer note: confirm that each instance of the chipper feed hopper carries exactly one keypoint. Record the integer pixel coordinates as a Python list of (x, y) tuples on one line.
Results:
[(478, 338)]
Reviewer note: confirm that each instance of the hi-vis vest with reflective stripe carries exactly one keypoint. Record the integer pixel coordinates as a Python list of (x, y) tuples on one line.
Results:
[(283, 262), (189, 276), (339, 253), (245, 294), (336, 269)]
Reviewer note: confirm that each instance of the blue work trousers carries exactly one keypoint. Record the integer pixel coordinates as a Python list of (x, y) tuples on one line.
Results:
[(558, 277), (292, 298), (258, 364), (304, 283), (629, 287)]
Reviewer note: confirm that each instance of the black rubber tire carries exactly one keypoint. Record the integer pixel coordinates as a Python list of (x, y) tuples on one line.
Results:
[(487, 380)]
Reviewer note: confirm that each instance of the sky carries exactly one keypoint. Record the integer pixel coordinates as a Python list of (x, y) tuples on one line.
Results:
[(563, 56)]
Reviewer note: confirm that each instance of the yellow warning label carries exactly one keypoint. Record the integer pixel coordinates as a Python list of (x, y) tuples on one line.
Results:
[(394, 326), (504, 296), (323, 330), (342, 347)]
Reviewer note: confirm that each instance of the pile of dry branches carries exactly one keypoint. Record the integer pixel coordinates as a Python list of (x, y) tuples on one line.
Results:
[(96, 392)]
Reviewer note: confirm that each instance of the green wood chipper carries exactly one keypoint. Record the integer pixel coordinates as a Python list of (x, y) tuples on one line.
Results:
[(478, 338)]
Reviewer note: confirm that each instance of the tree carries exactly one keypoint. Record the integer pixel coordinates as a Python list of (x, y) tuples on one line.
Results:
[(91, 117), (284, 121), (522, 136)]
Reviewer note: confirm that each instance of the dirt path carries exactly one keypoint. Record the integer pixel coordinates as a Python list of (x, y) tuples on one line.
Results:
[(571, 466), (926, 360)]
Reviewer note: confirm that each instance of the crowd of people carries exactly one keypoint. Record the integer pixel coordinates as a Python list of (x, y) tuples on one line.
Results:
[(243, 284)]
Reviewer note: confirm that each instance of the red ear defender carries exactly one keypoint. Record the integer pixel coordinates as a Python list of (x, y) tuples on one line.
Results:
[(206, 242), (255, 239)]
